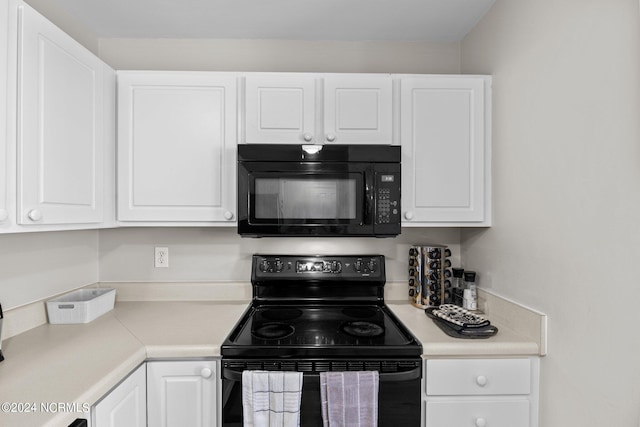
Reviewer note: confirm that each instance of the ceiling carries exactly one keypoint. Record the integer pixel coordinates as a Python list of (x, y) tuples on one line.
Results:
[(348, 20)]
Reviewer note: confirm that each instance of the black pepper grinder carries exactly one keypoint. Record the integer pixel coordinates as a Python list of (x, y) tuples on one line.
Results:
[(458, 286)]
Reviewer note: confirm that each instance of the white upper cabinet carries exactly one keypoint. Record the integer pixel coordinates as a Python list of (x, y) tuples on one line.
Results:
[(320, 109), (176, 147), (445, 136), (358, 109), (60, 128), (4, 102), (280, 109)]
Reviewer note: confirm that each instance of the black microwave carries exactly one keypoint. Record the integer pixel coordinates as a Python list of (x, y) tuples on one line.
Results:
[(318, 190)]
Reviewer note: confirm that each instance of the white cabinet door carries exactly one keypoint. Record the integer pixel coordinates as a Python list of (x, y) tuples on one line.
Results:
[(280, 109), (478, 376), (182, 393), (478, 413), (285, 109), (125, 405), (176, 146), (4, 104), (445, 124), (358, 109), (60, 126)]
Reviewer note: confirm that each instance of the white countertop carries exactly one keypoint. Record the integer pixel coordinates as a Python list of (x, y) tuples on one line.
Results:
[(81, 363), (436, 343)]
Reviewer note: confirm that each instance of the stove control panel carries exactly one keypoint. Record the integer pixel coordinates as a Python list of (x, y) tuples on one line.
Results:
[(318, 266)]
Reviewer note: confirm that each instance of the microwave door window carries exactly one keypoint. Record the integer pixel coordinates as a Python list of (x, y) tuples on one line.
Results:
[(305, 199), (267, 198)]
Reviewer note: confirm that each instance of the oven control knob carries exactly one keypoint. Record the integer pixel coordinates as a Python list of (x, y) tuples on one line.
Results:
[(372, 265), (336, 266), (279, 265), (357, 266), (264, 265)]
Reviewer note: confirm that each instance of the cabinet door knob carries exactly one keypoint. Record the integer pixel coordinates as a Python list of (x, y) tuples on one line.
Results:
[(206, 373), (3, 215), (307, 137), (481, 422), (481, 380), (408, 215), (331, 137), (35, 215), (228, 215)]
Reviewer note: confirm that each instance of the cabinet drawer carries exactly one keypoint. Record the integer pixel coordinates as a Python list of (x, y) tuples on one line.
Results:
[(478, 413), (478, 377)]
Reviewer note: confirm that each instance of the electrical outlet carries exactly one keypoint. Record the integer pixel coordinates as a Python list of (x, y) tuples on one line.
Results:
[(162, 257)]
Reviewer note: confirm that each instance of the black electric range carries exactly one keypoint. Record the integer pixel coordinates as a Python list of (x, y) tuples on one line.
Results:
[(323, 313)]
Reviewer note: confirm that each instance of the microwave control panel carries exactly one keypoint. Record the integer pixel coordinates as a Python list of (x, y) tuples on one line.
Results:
[(387, 198)]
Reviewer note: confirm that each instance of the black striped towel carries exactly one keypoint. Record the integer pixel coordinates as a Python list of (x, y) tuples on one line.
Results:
[(271, 399)]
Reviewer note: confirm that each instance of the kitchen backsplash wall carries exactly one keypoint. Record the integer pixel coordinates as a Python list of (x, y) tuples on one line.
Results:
[(219, 254), (34, 266)]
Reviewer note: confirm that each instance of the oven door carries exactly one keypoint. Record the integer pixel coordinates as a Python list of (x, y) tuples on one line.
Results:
[(399, 398), (306, 198)]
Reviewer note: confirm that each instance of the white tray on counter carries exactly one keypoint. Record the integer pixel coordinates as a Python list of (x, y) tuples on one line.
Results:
[(81, 306)]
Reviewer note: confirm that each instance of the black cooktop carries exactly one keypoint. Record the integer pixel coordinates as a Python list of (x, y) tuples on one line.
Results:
[(320, 331), (319, 307)]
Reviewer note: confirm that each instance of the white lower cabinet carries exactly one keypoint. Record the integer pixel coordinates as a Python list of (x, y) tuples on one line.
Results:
[(481, 392), (478, 413), (172, 393), (125, 405), (182, 393)]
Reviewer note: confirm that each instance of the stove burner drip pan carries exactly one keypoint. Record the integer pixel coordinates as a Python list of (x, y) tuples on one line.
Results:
[(362, 329), (273, 331)]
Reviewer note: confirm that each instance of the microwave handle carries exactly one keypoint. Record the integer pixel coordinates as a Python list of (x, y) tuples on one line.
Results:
[(368, 197)]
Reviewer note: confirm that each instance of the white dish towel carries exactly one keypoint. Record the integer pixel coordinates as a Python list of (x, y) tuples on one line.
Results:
[(271, 399), (349, 399)]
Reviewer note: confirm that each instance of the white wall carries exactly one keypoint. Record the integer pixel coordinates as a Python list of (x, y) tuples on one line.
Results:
[(280, 55), (34, 266), (210, 254), (566, 173), (67, 23)]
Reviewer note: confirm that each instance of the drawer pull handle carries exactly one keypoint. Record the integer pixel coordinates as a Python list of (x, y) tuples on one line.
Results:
[(481, 422), (481, 380), (206, 373)]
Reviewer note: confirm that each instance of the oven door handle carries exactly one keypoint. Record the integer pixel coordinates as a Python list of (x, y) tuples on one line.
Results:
[(236, 375)]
